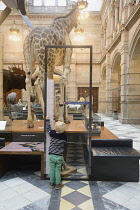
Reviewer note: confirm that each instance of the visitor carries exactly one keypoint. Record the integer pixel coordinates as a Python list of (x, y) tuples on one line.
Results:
[(56, 148)]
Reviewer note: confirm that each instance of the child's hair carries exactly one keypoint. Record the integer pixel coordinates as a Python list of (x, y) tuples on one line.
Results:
[(60, 126)]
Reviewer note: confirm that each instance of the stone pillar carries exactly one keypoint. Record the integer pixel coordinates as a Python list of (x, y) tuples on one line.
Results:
[(1, 77), (130, 7), (120, 10), (112, 21), (124, 76), (137, 1), (102, 95), (116, 13), (108, 91), (125, 12), (105, 36), (102, 41)]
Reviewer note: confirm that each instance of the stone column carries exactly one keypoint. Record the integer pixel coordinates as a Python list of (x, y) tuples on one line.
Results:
[(130, 7), (102, 95), (112, 21), (120, 10), (102, 41), (137, 1), (124, 12), (124, 76), (108, 91), (116, 13), (1, 77)]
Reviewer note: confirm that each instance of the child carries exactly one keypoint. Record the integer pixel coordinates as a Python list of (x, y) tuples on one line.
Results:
[(56, 148)]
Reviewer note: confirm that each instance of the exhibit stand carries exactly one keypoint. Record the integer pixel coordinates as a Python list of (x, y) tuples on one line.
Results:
[(77, 153)]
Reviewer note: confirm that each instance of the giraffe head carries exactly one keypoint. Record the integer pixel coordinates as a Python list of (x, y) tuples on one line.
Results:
[(68, 21)]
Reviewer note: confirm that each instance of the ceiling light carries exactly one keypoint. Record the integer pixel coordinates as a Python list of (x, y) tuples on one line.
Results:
[(82, 4), (14, 30), (78, 30)]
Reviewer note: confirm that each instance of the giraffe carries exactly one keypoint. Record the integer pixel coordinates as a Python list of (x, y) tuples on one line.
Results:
[(34, 51)]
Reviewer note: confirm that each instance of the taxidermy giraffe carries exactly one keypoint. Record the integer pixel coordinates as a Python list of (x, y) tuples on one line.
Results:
[(34, 51)]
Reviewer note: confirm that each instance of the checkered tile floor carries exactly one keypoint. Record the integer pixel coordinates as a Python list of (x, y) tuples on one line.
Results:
[(75, 158), (76, 195)]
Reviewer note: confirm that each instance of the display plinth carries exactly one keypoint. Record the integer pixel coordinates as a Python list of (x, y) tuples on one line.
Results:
[(20, 132)]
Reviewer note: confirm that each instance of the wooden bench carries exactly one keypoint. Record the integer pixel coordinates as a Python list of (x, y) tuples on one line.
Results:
[(114, 160)]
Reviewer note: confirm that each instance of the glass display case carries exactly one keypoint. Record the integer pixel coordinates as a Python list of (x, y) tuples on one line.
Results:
[(77, 153), (78, 109), (20, 111), (95, 124)]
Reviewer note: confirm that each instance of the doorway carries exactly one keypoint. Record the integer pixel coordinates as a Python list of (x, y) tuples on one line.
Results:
[(84, 92)]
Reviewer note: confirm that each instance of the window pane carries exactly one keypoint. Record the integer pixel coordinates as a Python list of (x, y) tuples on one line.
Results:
[(61, 2), (37, 2), (2, 6), (49, 2)]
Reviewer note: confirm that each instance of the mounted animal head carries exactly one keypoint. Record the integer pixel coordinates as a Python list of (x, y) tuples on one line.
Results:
[(13, 81)]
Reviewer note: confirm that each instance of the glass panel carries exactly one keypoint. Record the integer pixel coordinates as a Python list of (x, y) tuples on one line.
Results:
[(37, 3), (61, 2), (96, 125), (77, 116), (49, 2)]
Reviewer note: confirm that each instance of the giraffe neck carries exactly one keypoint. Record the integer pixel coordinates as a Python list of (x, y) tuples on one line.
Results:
[(67, 22)]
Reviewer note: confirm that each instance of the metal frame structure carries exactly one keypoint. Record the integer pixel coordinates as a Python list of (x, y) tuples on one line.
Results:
[(90, 98)]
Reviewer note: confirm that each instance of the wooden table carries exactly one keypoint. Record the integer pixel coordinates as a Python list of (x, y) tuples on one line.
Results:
[(21, 126), (76, 126), (16, 148), (105, 134)]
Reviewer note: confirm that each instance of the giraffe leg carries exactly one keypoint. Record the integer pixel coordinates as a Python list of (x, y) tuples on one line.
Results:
[(39, 92), (55, 108), (28, 89), (63, 80), (61, 105)]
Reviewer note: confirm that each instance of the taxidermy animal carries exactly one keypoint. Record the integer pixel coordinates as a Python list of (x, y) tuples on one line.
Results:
[(34, 51), (13, 81)]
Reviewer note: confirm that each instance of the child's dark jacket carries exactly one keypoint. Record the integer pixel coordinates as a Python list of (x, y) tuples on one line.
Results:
[(57, 140)]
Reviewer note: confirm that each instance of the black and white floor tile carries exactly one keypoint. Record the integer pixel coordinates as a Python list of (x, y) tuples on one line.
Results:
[(24, 190)]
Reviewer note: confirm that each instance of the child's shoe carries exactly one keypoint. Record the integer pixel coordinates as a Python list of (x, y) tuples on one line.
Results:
[(59, 186), (52, 185)]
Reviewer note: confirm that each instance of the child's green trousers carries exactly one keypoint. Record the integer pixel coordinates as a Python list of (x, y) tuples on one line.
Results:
[(55, 162)]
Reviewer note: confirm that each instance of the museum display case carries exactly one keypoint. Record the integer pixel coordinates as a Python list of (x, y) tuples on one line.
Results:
[(95, 124), (13, 126), (77, 153)]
